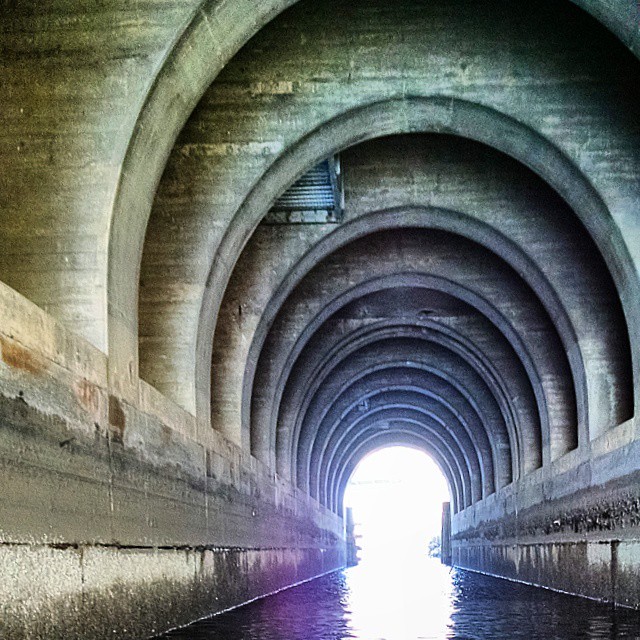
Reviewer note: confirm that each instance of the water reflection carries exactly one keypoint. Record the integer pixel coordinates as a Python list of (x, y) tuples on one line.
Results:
[(399, 596)]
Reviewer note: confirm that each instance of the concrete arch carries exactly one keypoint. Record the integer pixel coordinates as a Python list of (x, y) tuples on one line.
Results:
[(426, 387), (386, 282), (192, 347), (414, 217), (103, 473), (398, 438), (439, 285), (455, 413), (443, 374), (216, 32), (548, 163), (525, 428), (411, 431), (410, 410), (576, 367), (529, 366)]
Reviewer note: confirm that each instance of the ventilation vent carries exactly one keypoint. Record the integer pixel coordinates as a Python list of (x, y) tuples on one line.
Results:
[(316, 198)]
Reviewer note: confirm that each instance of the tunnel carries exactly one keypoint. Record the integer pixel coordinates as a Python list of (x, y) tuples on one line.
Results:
[(245, 244)]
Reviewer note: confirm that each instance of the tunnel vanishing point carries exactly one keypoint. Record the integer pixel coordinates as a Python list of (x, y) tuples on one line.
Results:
[(243, 244)]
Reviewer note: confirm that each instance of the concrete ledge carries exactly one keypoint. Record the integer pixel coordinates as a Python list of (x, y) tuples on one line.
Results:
[(583, 539), (33, 332), (611, 460), (103, 592), (140, 531), (124, 518), (602, 570)]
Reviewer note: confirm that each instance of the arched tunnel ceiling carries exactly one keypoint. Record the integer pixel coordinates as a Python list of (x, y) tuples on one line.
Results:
[(96, 98), (409, 318), (188, 382), (620, 21), (524, 311), (479, 298), (396, 318), (219, 158), (470, 300), (467, 399)]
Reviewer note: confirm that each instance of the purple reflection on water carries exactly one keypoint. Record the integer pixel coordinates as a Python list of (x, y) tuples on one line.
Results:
[(398, 595)]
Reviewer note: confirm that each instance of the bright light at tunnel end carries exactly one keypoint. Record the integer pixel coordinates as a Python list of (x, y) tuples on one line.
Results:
[(396, 495)]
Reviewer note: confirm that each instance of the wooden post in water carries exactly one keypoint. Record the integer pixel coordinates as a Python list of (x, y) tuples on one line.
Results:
[(352, 547), (445, 545)]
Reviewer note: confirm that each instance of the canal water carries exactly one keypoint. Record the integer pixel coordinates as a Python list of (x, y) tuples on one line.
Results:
[(399, 596)]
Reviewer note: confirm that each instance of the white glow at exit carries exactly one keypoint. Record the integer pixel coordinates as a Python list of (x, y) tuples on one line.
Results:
[(396, 495)]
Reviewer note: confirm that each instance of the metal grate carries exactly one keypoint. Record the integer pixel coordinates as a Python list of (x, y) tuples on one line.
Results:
[(316, 198)]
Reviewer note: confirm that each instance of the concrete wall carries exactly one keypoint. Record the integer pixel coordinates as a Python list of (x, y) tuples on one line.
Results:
[(115, 521), (140, 147), (574, 527)]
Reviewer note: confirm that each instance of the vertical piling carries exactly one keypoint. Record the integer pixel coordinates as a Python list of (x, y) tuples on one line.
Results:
[(445, 553), (352, 547)]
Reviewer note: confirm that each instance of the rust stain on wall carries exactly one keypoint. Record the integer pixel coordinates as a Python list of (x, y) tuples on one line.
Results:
[(88, 395), (18, 357)]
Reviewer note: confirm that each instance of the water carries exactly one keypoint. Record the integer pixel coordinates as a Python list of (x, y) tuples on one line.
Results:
[(396, 596)]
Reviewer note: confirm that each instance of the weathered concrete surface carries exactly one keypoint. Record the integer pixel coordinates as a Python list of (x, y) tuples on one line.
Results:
[(74, 79), (401, 259), (115, 521), (486, 195), (267, 118), (105, 592), (575, 530), (255, 280), (194, 65), (486, 315)]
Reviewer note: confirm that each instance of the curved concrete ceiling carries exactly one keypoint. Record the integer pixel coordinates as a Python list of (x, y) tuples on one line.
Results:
[(471, 303), (479, 298), (205, 371), (313, 119), (215, 33)]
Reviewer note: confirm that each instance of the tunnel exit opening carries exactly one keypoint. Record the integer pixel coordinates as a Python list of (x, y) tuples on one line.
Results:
[(395, 497)]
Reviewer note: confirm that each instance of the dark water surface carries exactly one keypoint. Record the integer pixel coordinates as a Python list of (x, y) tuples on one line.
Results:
[(415, 598)]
